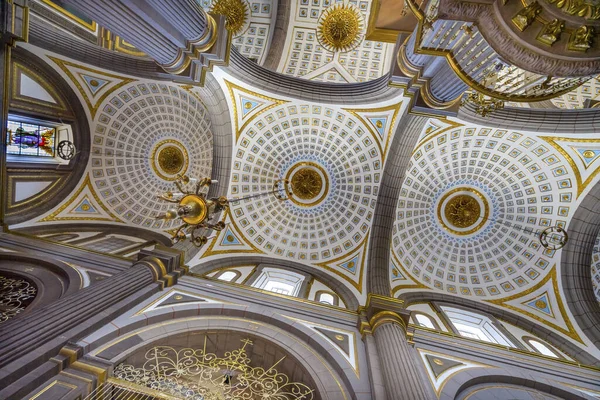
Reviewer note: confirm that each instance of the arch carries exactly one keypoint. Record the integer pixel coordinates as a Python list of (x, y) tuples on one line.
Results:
[(403, 143), (575, 265), (464, 383), (282, 22), (105, 229), (63, 178), (415, 317), (324, 365), (531, 340), (539, 331), (538, 120), (221, 275), (345, 294), (335, 297), (53, 279)]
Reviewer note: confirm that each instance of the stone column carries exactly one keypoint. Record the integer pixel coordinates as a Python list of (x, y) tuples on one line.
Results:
[(171, 32), (403, 373), (28, 341)]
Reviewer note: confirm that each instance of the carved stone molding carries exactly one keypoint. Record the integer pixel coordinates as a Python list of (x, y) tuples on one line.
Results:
[(529, 55)]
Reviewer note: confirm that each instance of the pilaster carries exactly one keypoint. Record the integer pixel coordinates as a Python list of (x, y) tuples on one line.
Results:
[(384, 320), (32, 341)]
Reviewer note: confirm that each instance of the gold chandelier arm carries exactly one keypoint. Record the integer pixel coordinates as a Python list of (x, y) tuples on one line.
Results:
[(179, 185), (202, 183), (179, 234)]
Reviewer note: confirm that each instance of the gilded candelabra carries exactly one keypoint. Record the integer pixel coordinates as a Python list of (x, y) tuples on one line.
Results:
[(197, 212)]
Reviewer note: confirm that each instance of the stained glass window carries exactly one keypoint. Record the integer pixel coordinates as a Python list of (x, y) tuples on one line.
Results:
[(25, 139)]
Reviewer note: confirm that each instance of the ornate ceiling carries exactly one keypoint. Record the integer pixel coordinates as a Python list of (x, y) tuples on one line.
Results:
[(334, 155), (307, 55), (254, 39), (143, 135), (471, 208)]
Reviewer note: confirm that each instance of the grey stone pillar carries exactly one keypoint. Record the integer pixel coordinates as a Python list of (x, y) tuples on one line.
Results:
[(403, 374), (30, 340), (171, 32)]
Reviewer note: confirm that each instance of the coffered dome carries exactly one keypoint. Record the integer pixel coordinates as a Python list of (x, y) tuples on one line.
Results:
[(472, 206)]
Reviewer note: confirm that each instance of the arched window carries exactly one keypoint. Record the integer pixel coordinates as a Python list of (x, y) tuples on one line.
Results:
[(542, 348), (326, 298), (475, 326), (228, 276), (424, 321), (279, 281)]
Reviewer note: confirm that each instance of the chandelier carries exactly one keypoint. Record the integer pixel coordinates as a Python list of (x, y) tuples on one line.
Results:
[(197, 213)]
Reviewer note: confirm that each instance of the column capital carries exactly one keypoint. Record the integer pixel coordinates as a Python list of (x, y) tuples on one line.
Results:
[(166, 264), (380, 310)]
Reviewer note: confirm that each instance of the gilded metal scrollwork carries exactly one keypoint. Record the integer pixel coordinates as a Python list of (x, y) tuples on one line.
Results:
[(15, 295), (198, 374)]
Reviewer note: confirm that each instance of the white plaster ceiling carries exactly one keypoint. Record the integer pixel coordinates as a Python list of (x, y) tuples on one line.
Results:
[(528, 185), (130, 121), (276, 135), (304, 57), (255, 38), (576, 98)]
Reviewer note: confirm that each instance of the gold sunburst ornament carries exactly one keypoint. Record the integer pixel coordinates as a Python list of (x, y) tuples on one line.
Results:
[(236, 13), (340, 28)]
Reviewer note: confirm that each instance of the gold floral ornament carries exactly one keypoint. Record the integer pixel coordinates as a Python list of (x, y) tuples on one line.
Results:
[(236, 13), (196, 374), (340, 28)]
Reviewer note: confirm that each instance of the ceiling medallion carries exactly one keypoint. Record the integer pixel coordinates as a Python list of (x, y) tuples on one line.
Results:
[(309, 183), (340, 28), (463, 211), (169, 159), (236, 13)]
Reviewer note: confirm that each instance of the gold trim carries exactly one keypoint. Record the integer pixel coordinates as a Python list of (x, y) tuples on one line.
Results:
[(335, 329), (91, 26), (397, 288), (210, 252), (378, 140), (581, 186), (245, 320), (443, 382), (161, 146), (571, 332), (489, 345), (238, 130), (55, 382), (303, 165), (358, 286), (458, 70), (93, 109), (16, 86), (68, 203), (486, 211), (14, 179), (157, 301), (296, 299)]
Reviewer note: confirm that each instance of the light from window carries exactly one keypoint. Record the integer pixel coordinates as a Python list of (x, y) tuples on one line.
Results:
[(326, 298), (30, 139), (227, 276), (425, 321), (542, 348), (475, 326), (279, 287)]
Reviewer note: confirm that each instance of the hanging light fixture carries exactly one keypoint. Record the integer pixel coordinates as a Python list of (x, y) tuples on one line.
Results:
[(197, 212)]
